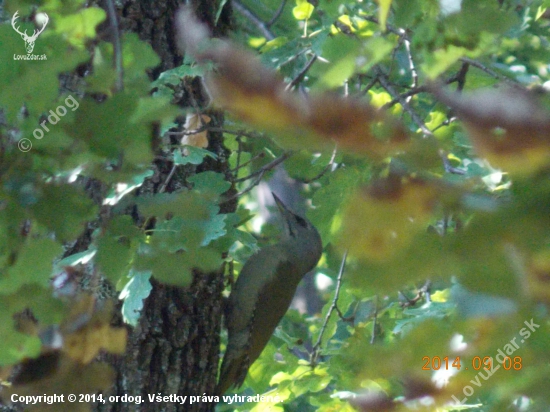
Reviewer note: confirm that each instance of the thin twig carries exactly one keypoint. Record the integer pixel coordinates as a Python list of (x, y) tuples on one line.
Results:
[(302, 73), (295, 56), (239, 132), (406, 96), (444, 123), (239, 151), (389, 88), (447, 165), (277, 14), (420, 293), (412, 67), (215, 129), (369, 86), (334, 305), (325, 169), (390, 28), (427, 291), (375, 318), (260, 155), (258, 174), (117, 49), (490, 72), (265, 168), (394, 53), (263, 27), (255, 183), (168, 178), (461, 76)]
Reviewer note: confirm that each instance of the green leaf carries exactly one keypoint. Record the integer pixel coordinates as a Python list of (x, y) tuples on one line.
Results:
[(329, 199), (187, 205), (241, 244), (341, 51), (45, 307), (440, 60), (176, 268), (117, 247), (137, 57), (215, 228), (33, 83), (15, 345), (195, 156), (210, 182), (377, 49), (64, 209), (77, 258), (175, 76), (33, 265), (134, 292), (80, 27), (109, 129), (186, 223)]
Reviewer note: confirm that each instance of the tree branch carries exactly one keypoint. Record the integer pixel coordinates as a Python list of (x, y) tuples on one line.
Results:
[(490, 72), (334, 306), (262, 26), (277, 14), (389, 88), (302, 73)]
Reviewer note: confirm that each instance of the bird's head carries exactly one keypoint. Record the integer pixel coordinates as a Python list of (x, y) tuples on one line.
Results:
[(296, 227)]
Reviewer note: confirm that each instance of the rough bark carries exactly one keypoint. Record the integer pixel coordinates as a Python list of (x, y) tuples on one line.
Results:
[(175, 348)]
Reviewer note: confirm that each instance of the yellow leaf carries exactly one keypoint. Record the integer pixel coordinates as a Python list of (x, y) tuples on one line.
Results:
[(86, 332), (303, 10), (383, 12), (383, 218)]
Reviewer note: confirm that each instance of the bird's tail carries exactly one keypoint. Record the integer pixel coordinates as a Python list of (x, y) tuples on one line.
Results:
[(233, 373)]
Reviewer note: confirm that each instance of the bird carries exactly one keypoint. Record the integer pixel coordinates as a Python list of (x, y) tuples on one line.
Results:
[(263, 292)]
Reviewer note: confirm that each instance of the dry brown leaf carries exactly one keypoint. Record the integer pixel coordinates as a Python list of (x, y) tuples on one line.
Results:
[(256, 95), (533, 270), (194, 136), (507, 126), (67, 377), (373, 401), (88, 330), (538, 276)]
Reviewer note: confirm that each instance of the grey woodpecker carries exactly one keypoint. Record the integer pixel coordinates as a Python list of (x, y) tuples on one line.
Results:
[(263, 292)]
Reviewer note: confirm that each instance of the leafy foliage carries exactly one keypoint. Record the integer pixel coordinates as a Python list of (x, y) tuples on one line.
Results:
[(420, 131)]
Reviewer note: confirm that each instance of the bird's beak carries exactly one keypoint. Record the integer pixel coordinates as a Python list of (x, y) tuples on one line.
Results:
[(286, 214), (280, 205)]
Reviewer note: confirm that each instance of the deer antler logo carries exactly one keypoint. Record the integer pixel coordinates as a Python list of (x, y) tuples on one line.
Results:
[(29, 40)]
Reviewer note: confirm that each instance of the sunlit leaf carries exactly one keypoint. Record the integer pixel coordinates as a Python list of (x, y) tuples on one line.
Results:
[(383, 11), (302, 10)]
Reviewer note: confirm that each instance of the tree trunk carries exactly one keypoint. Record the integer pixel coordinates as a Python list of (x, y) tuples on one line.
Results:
[(175, 348)]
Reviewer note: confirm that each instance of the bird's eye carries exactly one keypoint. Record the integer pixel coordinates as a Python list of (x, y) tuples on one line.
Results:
[(301, 222)]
